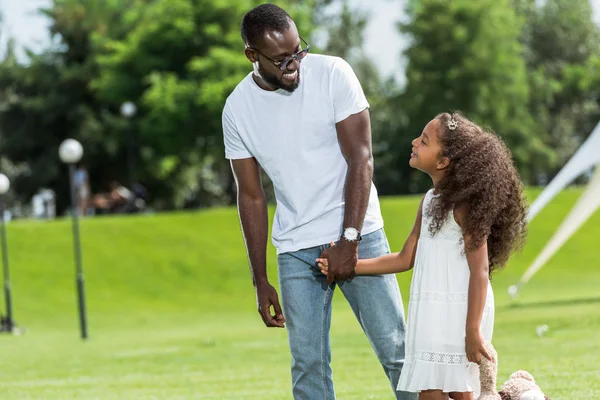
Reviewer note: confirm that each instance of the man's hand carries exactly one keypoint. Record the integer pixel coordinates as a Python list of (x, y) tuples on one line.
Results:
[(342, 261), (475, 347), (266, 296)]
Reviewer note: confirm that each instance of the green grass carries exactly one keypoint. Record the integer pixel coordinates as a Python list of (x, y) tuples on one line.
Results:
[(172, 314)]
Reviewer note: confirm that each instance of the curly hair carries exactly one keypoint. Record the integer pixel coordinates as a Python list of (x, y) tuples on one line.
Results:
[(482, 180)]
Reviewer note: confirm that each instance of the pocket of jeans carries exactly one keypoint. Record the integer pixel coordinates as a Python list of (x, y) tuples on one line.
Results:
[(373, 245)]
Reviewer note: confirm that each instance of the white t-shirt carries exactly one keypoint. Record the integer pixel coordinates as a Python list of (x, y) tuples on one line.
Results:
[(294, 139)]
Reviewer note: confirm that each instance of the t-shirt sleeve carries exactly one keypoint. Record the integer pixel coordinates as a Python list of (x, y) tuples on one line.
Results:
[(347, 93), (234, 146)]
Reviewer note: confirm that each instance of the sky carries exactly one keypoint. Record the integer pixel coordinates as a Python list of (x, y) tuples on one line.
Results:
[(383, 43)]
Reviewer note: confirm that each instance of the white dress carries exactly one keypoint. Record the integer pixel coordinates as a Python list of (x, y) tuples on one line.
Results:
[(437, 313)]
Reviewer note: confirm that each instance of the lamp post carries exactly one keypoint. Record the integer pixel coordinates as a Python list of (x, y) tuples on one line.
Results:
[(7, 324), (70, 152), (128, 110)]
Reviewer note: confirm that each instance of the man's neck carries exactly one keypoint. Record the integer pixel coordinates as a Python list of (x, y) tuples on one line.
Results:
[(262, 84)]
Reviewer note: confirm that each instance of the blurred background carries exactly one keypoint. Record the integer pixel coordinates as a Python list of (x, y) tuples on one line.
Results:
[(529, 69), (170, 305)]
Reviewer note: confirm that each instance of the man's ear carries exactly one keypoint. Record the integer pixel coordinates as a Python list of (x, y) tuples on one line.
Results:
[(250, 55), (443, 163)]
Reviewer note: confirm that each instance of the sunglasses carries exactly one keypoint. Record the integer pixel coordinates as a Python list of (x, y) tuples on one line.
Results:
[(282, 65)]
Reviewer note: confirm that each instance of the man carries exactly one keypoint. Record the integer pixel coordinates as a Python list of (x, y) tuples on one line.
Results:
[(304, 119)]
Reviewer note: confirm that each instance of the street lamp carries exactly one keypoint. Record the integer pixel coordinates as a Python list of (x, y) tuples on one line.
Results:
[(128, 110), (70, 152), (8, 323)]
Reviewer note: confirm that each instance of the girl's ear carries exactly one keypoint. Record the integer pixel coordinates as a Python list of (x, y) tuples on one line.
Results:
[(443, 163)]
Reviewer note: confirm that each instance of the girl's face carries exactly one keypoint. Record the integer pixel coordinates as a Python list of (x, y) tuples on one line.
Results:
[(426, 150)]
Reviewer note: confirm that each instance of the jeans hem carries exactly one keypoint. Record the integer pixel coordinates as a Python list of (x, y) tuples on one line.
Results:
[(324, 333)]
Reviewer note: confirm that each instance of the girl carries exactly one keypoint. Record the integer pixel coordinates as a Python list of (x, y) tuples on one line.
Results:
[(466, 227)]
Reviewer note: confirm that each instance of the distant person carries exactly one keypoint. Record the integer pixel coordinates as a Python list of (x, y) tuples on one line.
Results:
[(467, 226), (119, 194), (117, 197), (82, 188), (304, 119)]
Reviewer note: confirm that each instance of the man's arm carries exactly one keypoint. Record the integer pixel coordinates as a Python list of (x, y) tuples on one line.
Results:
[(252, 209), (354, 137)]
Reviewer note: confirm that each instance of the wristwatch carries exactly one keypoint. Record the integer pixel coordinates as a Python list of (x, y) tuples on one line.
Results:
[(352, 235)]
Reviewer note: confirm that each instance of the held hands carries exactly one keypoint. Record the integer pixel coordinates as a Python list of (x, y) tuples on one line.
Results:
[(323, 263), (475, 346), (266, 296), (339, 262)]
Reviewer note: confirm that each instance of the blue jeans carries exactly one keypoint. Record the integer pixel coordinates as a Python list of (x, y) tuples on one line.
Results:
[(306, 299)]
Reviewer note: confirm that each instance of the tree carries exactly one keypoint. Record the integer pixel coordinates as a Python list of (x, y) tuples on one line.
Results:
[(50, 100), (177, 60), (561, 42), (6, 166), (465, 55), (344, 31), (179, 64)]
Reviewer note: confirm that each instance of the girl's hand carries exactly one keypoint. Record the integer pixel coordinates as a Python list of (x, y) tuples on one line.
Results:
[(323, 263), (474, 346)]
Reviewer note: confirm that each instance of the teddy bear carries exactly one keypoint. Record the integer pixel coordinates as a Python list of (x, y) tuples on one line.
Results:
[(520, 386), (488, 370)]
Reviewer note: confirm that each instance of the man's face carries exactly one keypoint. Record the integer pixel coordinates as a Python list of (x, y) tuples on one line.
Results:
[(277, 46)]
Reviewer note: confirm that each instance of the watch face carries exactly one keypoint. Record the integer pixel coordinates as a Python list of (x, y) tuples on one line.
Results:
[(350, 234)]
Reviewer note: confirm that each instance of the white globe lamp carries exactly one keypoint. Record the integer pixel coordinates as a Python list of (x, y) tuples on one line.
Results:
[(70, 151), (4, 184)]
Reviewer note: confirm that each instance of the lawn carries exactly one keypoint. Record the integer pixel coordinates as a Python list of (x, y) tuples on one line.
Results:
[(172, 316)]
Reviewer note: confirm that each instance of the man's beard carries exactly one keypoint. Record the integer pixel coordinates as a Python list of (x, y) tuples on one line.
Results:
[(273, 80)]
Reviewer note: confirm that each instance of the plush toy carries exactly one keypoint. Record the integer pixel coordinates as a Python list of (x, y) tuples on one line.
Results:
[(520, 386), (487, 375)]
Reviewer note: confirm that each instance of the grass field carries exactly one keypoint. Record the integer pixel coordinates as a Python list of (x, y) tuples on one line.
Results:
[(172, 315)]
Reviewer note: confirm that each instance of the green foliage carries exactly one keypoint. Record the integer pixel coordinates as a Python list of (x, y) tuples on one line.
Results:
[(528, 69), (345, 31), (465, 55), (179, 63), (177, 60), (562, 45), (49, 99)]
